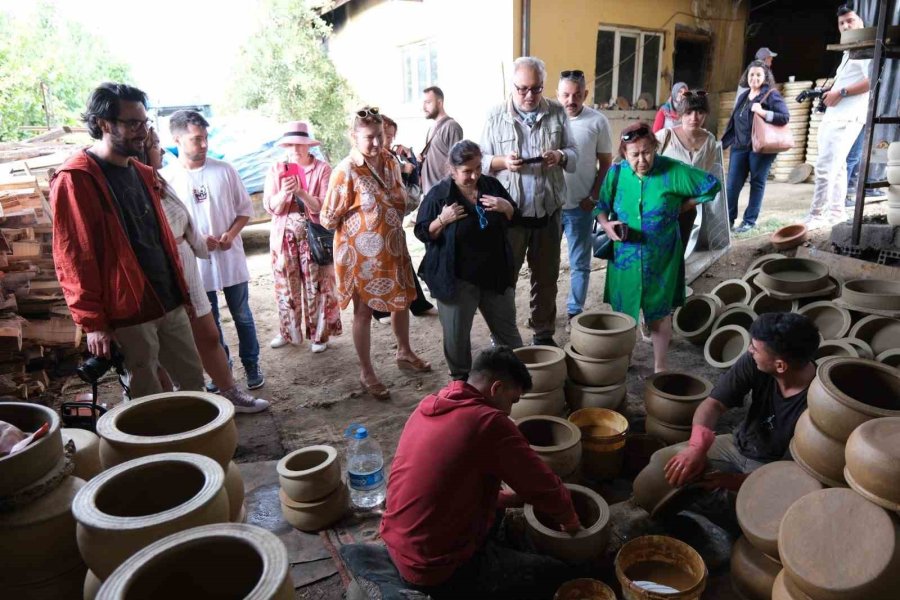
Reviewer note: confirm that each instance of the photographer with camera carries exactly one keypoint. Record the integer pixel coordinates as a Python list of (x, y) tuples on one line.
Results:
[(846, 104)]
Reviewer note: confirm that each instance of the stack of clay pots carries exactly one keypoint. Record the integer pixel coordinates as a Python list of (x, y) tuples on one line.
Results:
[(893, 213), (555, 440), (597, 358), (312, 494), (547, 366), (585, 546), (671, 397), (40, 558), (798, 124), (729, 334)]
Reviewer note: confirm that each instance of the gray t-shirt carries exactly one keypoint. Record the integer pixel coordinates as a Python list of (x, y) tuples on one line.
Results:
[(436, 165), (592, 137)]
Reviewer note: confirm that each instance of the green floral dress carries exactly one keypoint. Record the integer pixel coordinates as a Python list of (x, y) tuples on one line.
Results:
[(648, 273)]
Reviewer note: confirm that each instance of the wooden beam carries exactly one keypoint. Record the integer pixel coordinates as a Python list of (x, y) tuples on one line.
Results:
[(53, 134)]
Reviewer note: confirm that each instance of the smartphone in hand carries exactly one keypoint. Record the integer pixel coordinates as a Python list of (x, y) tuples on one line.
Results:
[(289, 169), (532, 160)]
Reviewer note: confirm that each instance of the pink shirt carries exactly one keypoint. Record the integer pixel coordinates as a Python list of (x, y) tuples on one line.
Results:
[(273, 197)]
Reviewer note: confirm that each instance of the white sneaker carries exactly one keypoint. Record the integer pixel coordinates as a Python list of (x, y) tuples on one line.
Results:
[(384, 320), (317, 348), (278, 342), (244, 402)]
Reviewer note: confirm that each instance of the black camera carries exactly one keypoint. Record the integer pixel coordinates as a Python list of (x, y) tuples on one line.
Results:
[(813, 94), (94, 368)]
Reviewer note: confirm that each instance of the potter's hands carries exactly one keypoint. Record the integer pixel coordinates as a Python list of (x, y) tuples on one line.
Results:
[(685, 466), (831, 98), (718, 480), (99, 342), (496, 204), (513, 162), (451, 213), (610, 228)]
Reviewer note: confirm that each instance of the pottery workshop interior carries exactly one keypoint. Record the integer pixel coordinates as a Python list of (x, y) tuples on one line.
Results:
[(450, 299)]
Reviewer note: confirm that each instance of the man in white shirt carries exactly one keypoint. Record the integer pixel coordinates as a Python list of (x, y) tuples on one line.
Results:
[(590, 130), (221, 207), (847, 102)]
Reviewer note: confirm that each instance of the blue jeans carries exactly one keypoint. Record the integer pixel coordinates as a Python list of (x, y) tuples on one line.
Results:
[(853, 163), (741, 163), (577, 227), (238, 299)]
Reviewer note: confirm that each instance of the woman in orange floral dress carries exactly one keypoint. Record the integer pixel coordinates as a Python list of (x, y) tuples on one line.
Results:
[(365, 204)]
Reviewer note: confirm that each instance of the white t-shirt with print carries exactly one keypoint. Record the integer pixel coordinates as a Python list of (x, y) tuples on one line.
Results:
[(851, 108), (592, 137)]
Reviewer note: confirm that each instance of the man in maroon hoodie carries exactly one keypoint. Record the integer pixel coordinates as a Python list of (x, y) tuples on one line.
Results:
[(444, 490)]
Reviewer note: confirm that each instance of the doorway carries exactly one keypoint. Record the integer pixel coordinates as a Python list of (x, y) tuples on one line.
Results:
[(692, 59)]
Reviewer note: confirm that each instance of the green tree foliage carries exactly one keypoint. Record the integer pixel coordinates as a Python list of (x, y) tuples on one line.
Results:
[(42, 47), (284, 72)]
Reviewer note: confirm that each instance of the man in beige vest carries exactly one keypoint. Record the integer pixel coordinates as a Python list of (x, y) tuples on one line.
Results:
[(445, 133)]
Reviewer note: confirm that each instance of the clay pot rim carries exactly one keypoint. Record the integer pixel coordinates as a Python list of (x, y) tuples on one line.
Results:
[(887, 354), (865, 321), (572, 353), (859, 489), (854, 286), (283, 470), (541, 395), (270, 549), (840, 343), (869, 452), (558, 352), (576, 432), (789, 236), (107, 425), (599, 525), (598, 389), (628, 319), (795, 304), (760, 261), (769, 274), (828, 304), (734, 309), (289, 503), (87, 514), (823, 373), (714, 303), (669, 425), (748, 291), (648, 540), (616, 415), (831, 483), (860, 345), (727, 329), (650, 383)]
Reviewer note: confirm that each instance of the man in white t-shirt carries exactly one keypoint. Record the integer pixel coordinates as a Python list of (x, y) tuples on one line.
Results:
[(221, 207), (592, 141), (847, 102)]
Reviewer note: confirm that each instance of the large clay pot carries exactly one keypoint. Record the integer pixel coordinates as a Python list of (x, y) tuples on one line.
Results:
[(603, 434), (819, 455), (663, 560), (584, 546), (833, 321), (733, 292), (881, 333), (785, 589), (546, 364), (694, 320), (581, 396), (556, 441), (584, 589), (764, 303), (171, 422), (752, 572), (234, 487), (840, 348), (667, 432), (603, 334), (309, 473), (595, 372), (224, 561), (873, 461), (318, 514), (24, 468), (725, 346), (673, 396), (651, 490), (551, 403), (793, 275), (740, 315), (836, 545), (880, 294), (141, 501), (87, 452), (765, 496), (847, 392)]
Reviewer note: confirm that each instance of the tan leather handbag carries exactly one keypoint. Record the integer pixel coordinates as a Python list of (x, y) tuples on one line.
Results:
[(768, 138)]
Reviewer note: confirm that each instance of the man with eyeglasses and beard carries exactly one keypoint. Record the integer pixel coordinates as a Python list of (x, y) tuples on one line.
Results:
[(527, 144), (115, 256)]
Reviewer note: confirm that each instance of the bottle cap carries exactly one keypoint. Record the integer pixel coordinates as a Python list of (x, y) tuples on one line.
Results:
[(356, 431)]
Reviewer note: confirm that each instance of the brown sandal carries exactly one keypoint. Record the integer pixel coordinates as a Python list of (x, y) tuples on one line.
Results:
[(418, 365), (377, 390)]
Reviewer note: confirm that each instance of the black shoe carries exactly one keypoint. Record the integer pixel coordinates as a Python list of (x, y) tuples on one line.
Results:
[(743, 228), (255, 377), (543, 340), (212, 388)]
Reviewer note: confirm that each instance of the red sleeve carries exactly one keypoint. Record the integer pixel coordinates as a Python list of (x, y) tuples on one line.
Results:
[(660, 121)]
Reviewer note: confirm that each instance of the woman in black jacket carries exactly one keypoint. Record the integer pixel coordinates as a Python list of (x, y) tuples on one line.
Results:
[(763, 99), (468, 262)]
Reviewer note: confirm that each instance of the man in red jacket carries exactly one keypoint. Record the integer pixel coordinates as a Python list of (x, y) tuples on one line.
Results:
[(444, 491), (114, 253)]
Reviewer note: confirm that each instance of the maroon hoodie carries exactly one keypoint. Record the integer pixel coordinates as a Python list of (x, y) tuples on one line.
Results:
[(443, 489)]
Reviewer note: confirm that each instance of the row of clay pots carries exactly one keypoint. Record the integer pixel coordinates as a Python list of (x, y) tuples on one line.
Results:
[(603, 334), (312, 494), (671, 397), (585, 546)]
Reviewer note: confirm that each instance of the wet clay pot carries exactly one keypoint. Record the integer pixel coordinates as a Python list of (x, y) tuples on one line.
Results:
[(733, 292), (832, 321), (547, 366), (725, 346), (863, 349), (556, 441), (663, 560), (890, 358), (134, 504), (750, 278), (249, 563), (840, 348), (551, 403), (740, 315), (584, 589), (309, 473), (836, 545), (87, 452), (603, 334), (880, 294), (847, 392), (582, 396), (881, 333), (873, 461), (695, 319), (765, 258), (24, 468), (651, 490), (172, 422), (587, 544), (764, 303), (764, 498), (667, 432), (673, 396), (318, 514), (603, 434), (819, 455), (752, 572), (595, 372), (234, 488), (793, 275), (789, 237), (785, 589)]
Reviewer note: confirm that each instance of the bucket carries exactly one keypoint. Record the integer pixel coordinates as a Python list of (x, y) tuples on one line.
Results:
[(664, 561), (603, 433), (584, 589)]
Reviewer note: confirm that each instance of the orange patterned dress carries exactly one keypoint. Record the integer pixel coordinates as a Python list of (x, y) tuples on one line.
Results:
[(366, 211)]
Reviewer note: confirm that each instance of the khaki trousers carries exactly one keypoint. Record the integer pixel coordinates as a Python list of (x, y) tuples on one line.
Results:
[(541, 248)]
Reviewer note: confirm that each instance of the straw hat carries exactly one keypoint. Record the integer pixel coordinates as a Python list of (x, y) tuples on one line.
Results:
[(297, 132)]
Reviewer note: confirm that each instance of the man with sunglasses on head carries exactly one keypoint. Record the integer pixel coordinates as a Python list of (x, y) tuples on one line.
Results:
[(592, 140), (115, 256), (527, 144)]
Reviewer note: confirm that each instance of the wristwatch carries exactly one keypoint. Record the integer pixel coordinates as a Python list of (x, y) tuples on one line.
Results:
[(843, 92)]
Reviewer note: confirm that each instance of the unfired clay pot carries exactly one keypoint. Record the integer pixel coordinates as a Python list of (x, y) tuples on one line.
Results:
[(603, 434), (26, 467), (764, 303), (765, 258), (588, 543), (733, 292), (863, 349), (880, 294), (138, 502), (556, 441), (663, 560), (551, 403), (595, 372), (667, 432), (750, 278), (87, 452), (309, 473), (694, 320), (234, 488), (785, 589), (171, 422), (832, 321), (819, 455), (227, 561), (881, 333), (547, 366), (890, 357), (725, 346), (651, 490), (318, 514), (603, 334), (752, 572), (91, 586), (673, 396), (793, 275), (841, 348), (741, 315), (581, 396), (873, 461)]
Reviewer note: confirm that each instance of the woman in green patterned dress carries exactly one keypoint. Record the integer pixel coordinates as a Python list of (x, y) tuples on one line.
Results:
[(638, 208)]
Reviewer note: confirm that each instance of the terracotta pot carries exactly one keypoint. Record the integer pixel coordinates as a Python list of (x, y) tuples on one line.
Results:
[(551, 403), (733, 292), (581, 396), (26, 467), (651, 490), (881, 333), (863, 349), (141, 501), (234, 488), (873, 461), (316, 515), (309, 473), (584, 589), (603, 334), (765, 258), (750, 278), (694, 320), (764, 303), (784, 589), (249, 563), (840, 348), (764, 498), (556, 441), (172, 422), (667, 432), (87, 452), (673, 396), (819, 455), (740, 315), (752, 572), (880, 294), (832, 321), (663, 560), (836, 545), (595, 372), (603, 434), (789, 237), (639, 447), (587, 544), (725, 346), (37, 541), (793, 275), (91, 586), (546, 364), (847, 392)]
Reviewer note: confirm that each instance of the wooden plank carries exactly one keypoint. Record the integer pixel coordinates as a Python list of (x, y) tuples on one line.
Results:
[(26, 249), (55, 331), (19, 219), (53, 134), (848, 268), (11, 334)]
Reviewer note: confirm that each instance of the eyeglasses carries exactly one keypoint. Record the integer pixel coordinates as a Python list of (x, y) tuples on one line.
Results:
[(482, 217), (698, 93), (634, 134), (371, 111), (134, 124), (577, 75), (523, 90)]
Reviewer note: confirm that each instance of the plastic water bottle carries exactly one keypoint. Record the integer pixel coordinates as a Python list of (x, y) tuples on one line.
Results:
[(365, 468)]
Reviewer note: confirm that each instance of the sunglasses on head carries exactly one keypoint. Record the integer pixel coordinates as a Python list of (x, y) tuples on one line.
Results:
[(577, 74), (371, 111), (698, 93), (641, 131)]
